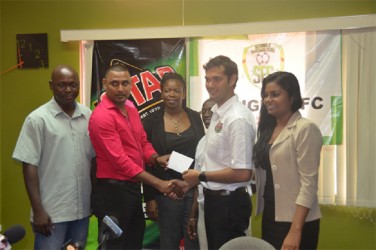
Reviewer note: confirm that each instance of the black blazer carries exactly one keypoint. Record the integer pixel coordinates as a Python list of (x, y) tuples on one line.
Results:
[(154, 128)]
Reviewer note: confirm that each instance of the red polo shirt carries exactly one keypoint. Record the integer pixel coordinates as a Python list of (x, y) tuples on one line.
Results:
[(120, 143)]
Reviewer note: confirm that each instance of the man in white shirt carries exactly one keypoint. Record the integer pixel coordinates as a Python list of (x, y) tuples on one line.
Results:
[(227, 157), (56, 154)]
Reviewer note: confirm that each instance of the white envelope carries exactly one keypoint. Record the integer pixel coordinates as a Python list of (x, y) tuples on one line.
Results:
[(179, 162)]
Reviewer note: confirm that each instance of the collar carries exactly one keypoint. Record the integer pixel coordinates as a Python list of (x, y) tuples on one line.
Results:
[(108, 104), (285, 133), (225, 106), (56, 109), (293, 119)]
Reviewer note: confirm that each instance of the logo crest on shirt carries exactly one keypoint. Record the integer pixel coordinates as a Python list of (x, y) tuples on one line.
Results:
[(218, 127)]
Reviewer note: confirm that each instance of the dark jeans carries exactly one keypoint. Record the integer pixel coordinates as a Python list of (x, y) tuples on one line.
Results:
[(226, 218), (275, 232), (124, 203), (173, 217)]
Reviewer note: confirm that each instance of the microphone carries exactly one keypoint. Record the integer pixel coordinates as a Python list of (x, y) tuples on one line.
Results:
[(15, 233), (112, 223), (108, 230)]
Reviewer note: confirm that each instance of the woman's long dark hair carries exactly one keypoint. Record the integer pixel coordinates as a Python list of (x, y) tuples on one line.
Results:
[(267, 123)]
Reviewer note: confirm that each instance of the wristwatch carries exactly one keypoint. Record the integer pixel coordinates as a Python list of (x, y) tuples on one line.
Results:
[(202, 177)]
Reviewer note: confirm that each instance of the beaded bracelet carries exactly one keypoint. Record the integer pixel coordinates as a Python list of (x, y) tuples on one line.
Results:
[(155, 158)]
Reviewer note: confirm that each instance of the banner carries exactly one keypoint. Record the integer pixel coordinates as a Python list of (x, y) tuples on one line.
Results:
[(147, 60), (314, 57)]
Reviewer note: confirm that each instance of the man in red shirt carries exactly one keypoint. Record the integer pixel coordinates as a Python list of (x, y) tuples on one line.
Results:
[(122, 150)]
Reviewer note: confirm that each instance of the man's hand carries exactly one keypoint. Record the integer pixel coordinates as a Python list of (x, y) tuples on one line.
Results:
[(41, 220), (191, 177), (42, 223), (171, 189), (152, 210), (180, 187), (174, 189)]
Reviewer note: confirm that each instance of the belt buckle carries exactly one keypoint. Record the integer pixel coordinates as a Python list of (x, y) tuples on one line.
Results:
[(241, 190), (225, 192)]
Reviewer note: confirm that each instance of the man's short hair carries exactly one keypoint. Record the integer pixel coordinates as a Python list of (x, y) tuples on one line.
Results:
[(118, 67), (229, 66)]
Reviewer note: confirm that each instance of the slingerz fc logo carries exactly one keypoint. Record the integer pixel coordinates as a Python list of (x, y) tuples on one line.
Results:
[(261, 60)]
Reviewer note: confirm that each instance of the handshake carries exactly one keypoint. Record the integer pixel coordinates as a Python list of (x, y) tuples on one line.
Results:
[(176, 189), (173, 189)]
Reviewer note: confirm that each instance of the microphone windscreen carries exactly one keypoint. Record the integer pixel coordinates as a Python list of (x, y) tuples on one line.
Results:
[(114, 219), (111, 225), (15, 233)]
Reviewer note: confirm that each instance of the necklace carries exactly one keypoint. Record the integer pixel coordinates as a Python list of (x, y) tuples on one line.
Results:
[(175, 122)]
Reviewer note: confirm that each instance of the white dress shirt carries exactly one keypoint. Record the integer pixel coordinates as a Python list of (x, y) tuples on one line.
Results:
[(229, 142)]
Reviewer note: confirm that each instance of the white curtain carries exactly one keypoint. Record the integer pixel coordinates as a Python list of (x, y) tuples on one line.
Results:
[(348, 171), (357, 186)]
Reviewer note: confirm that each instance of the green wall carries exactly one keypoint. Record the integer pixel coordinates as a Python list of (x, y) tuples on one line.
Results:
[(339, 229), (21, 91)]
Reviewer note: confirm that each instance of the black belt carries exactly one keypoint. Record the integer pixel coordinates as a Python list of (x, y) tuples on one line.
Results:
[(222, 192), (127, 184)]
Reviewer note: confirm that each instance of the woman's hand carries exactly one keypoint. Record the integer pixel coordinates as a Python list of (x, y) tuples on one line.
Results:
[(294, 236), (292, 240), (192, 228), (152, 210), (163, 160)]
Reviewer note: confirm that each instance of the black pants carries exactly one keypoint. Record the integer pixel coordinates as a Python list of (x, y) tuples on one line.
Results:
[(125, 203), (275, 232), (226, 218)]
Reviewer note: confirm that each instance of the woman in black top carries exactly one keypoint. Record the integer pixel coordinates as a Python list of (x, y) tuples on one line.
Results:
[(172, 128)]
